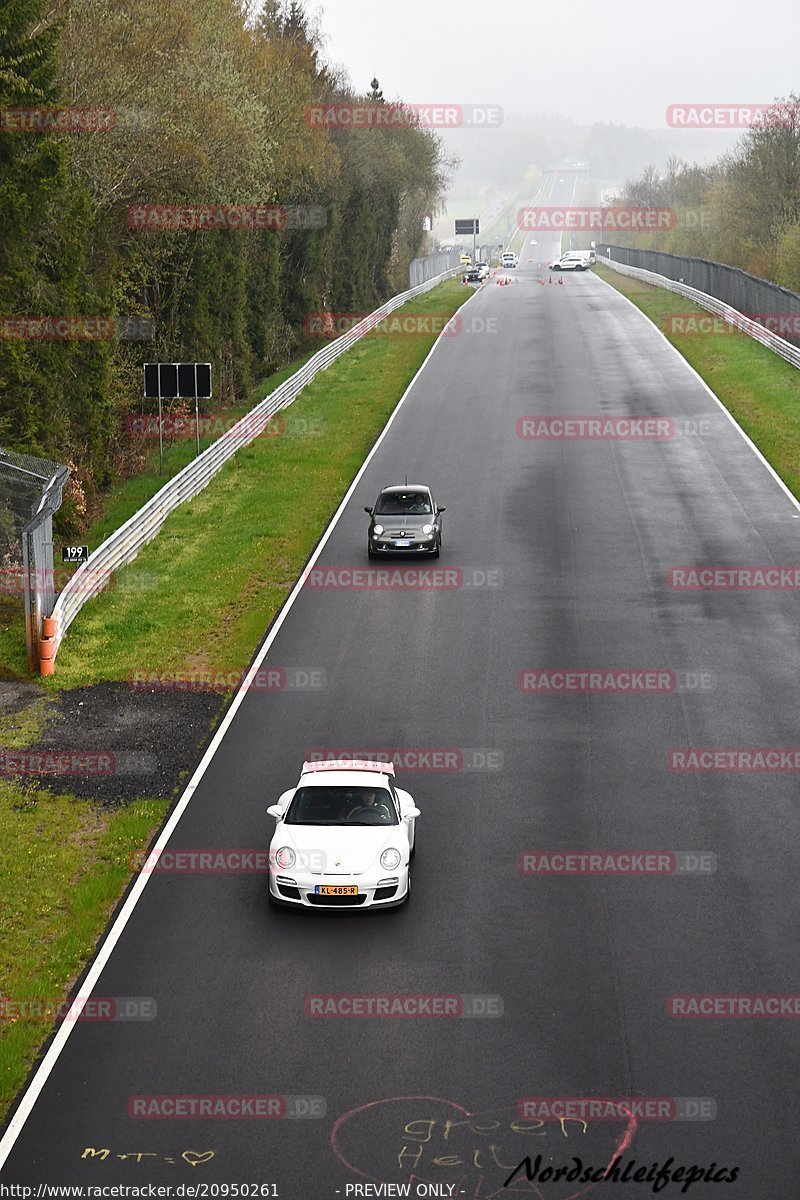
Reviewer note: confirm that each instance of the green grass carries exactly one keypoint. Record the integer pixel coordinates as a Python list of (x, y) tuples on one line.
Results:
[(24, 728), (201, 594), (63, 865), (759, 389), (129, 495)]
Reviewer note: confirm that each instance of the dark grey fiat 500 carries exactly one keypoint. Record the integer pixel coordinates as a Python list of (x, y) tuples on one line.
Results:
[(405, 520)]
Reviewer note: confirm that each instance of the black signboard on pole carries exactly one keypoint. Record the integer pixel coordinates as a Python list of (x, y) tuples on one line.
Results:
[(173, 381), (469, 227)]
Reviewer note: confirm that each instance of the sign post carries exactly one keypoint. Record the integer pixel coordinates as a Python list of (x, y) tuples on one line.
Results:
[(172, 381), (470, 225)]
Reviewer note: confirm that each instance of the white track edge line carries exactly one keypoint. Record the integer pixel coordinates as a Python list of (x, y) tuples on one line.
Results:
[(784, 487)]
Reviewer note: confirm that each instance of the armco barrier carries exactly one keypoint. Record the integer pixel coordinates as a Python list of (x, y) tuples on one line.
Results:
[(744, 292), (710, 303), (125, 543)]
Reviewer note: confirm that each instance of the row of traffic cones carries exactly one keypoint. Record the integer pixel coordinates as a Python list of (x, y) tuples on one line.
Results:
[(550, 280)]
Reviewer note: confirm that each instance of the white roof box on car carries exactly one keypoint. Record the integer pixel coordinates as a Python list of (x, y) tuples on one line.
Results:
[(349, 764)]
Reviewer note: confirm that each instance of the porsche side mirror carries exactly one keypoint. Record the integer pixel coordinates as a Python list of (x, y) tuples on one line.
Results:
[(275, 810), (410, 813)]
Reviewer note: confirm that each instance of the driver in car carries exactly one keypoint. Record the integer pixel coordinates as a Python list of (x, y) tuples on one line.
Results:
[(370, 804), (418, 504)]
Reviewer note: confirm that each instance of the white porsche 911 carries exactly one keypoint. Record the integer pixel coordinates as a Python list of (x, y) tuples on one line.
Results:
[(343, 839)]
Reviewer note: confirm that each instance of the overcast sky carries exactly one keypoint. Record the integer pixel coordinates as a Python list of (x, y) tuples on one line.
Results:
[(585, 59)]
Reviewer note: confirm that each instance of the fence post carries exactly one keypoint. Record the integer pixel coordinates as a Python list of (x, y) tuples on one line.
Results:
[(31, 641)]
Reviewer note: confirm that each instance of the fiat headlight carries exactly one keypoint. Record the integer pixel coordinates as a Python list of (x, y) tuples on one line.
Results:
[(427, 529), (390, 859), (377, 530)]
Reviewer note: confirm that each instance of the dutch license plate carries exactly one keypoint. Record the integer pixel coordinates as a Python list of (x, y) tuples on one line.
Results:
[(329, 890), (401, 543)]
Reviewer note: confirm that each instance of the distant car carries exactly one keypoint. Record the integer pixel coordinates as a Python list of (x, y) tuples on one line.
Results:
[(405, 519), (476, 273), (344, 837), (466, 260), (570, 262), (484, 269), (561, 181), (509, 260)]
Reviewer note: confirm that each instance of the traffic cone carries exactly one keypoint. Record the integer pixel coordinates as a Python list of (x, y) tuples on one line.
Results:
[(561, 279)]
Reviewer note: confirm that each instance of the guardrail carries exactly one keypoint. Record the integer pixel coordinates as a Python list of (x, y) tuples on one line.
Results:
[(710, 303), (125, 543)]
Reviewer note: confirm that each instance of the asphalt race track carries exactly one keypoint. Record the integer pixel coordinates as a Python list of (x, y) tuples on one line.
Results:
[(560, 551)]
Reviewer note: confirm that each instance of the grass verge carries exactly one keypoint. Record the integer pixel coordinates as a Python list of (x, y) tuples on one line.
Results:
[(759, 389), (64, 865)]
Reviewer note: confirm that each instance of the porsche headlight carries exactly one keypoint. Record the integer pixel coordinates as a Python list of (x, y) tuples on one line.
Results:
[(427, 529), (377, 530), (285, 858), (390, 859)]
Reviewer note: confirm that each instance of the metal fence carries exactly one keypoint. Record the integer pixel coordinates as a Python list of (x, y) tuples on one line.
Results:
[(422, 270), (30, 492), (730, 315), (125, 543), (767, 303)]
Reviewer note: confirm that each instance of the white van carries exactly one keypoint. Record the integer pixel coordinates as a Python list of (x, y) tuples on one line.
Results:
[(509, 260)]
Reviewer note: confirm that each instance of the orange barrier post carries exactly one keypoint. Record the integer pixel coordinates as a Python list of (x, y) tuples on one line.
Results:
[(47, 647)]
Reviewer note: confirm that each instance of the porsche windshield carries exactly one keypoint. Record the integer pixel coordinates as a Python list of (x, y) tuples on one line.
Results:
[(398, 504), (341, 806)]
